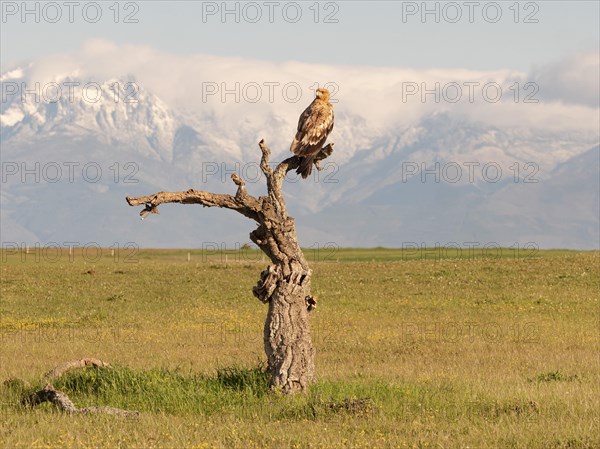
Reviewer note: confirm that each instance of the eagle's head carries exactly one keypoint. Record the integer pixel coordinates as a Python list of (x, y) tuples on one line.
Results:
[(323, 94)]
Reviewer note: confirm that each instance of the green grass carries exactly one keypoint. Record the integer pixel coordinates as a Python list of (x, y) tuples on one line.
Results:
[(474, 351), (555, 376)]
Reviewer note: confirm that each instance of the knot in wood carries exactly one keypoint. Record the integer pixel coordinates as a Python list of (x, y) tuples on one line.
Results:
[(267, 283), (311, 303)]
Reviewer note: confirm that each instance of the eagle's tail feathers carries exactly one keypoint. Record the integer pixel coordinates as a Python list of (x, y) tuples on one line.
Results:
[(305, 168)]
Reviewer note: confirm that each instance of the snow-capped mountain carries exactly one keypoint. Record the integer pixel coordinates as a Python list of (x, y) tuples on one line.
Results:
[(115, 109), (68, 164)]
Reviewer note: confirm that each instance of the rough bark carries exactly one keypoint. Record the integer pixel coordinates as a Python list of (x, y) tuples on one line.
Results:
[(285, 283)]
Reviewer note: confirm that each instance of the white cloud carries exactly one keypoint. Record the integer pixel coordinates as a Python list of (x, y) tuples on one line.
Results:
[(574, 80), (373, 97)]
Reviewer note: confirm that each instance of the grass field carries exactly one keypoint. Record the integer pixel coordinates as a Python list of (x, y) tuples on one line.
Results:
[(423, 349)]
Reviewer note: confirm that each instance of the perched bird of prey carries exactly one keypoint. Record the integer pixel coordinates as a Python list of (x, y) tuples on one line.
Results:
[(315, 124)]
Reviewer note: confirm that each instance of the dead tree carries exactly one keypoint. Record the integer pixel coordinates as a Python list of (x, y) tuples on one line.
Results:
[(285, 284)]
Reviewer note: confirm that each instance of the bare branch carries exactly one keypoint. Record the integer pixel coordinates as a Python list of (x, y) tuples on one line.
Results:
[(243, 202), (49, 394), (292, 163), (62, 401), (241, 194), (237, 180), (76, 364), (264, 160), (289, 164), (108, 411)]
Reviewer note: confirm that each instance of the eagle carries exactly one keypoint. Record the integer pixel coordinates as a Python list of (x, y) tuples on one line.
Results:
[(315, 124)]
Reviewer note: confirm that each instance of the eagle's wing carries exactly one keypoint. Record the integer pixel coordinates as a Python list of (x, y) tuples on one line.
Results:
[(296, 146), (315, 124), (304, 117)]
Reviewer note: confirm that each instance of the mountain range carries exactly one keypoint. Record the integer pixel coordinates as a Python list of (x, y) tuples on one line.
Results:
[(443, 179)]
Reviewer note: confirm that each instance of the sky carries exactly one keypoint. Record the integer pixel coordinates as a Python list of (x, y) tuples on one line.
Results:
[(372, 52), (469, 35)]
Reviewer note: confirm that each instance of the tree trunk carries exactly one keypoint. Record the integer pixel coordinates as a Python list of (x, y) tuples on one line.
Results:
[(288, 345), (285, 284)]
